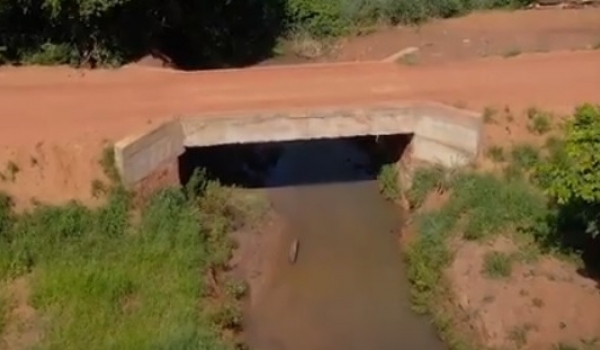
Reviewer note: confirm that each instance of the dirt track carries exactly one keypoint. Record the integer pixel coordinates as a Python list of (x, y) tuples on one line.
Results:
[(54, 120)]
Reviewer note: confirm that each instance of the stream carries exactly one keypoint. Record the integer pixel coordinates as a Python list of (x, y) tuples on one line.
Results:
[(348, 288)]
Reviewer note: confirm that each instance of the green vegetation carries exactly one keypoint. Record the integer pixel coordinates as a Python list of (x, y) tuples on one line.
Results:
[(128, 278), (540, 122), (552, 211), (497, 265), (525, 156), (196, 33), (388, 181)]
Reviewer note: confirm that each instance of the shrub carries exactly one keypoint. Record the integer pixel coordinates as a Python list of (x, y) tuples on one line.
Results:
[(579, 178)]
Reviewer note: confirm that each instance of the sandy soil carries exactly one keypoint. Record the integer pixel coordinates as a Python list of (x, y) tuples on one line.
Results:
[(539, 306), (257, 248), (55, 121), (493, 33)]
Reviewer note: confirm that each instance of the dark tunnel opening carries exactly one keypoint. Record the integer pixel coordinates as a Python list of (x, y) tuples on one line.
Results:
[(250, 165)]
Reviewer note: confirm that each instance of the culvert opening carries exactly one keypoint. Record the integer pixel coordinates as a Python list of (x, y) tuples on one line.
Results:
[(282, 164)]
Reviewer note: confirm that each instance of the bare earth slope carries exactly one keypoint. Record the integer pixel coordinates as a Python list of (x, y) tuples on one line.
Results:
[(53, 122)]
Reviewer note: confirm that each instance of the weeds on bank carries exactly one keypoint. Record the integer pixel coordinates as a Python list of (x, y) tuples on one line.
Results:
[(540, 122), (103, 282), (483, 205), (497, 265), (388, 181), (480, 206)]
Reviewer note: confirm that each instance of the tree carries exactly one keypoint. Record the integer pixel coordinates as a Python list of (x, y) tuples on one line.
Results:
[(573, 179)]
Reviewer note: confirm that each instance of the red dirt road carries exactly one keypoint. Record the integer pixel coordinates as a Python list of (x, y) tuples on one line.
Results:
[(53, 121)]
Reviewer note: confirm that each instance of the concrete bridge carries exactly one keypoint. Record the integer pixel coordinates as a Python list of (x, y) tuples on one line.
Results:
[(441, 134)]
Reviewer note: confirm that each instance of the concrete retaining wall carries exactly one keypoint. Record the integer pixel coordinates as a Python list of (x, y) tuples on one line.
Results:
[(138, 156), (442, 134)]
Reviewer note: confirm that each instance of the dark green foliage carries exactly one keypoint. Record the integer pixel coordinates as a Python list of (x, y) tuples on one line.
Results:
[(210, 33), (193, 33)]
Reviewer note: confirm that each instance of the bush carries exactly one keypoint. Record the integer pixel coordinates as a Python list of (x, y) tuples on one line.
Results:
[(572, 175), (211, 33)]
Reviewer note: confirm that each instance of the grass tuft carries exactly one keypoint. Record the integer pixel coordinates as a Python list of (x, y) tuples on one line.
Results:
[(388, 180), (497, 265), (540, 122)]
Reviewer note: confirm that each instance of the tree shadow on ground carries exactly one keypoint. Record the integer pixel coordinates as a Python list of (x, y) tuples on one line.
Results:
[(570, 229), (192, 34), (221, 34)]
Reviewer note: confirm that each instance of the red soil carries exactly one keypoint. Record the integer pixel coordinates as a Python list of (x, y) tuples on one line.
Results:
[(54, 121)]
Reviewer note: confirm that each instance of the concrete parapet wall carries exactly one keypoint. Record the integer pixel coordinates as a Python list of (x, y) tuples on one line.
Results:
[(302, 125), (138, 156), (442, 134)]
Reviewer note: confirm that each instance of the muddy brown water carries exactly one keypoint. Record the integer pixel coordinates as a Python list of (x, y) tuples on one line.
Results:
[(348, 288)]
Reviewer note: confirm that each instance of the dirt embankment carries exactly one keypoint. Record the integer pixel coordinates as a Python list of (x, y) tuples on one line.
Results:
[(502, 292), (55, 121)]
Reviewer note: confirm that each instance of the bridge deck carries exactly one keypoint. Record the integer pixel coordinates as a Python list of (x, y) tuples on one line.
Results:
[(46, 104)]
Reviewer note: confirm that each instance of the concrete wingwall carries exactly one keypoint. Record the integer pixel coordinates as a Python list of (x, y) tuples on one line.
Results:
[(441, 135)]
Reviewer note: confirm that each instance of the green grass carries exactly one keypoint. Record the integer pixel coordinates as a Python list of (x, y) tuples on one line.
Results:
[(480, 206), (426, 180), (525, 156), (497, 265), (388, 181), (103, 283), (540, 122)]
